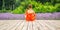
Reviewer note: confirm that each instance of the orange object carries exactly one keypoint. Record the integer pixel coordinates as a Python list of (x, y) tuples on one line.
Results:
[(30, 16)]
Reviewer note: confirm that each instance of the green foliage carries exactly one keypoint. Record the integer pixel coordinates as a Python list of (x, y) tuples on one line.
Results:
[(18, 10), (5, 11), (57, 7), (1, 11), (38, 7)]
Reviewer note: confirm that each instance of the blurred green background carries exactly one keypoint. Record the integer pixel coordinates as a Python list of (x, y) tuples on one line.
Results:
[(39, 6)]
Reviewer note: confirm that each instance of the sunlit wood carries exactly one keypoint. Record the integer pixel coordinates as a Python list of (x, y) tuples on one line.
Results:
[(35, 25)]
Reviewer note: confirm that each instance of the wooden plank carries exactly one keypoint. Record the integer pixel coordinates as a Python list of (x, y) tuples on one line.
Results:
[(23, 25)]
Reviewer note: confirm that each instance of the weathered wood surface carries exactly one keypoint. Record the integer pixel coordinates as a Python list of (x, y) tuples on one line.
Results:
[(35, 25)]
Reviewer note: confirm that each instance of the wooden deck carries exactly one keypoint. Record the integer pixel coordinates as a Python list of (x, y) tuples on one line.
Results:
[(23, 25)]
